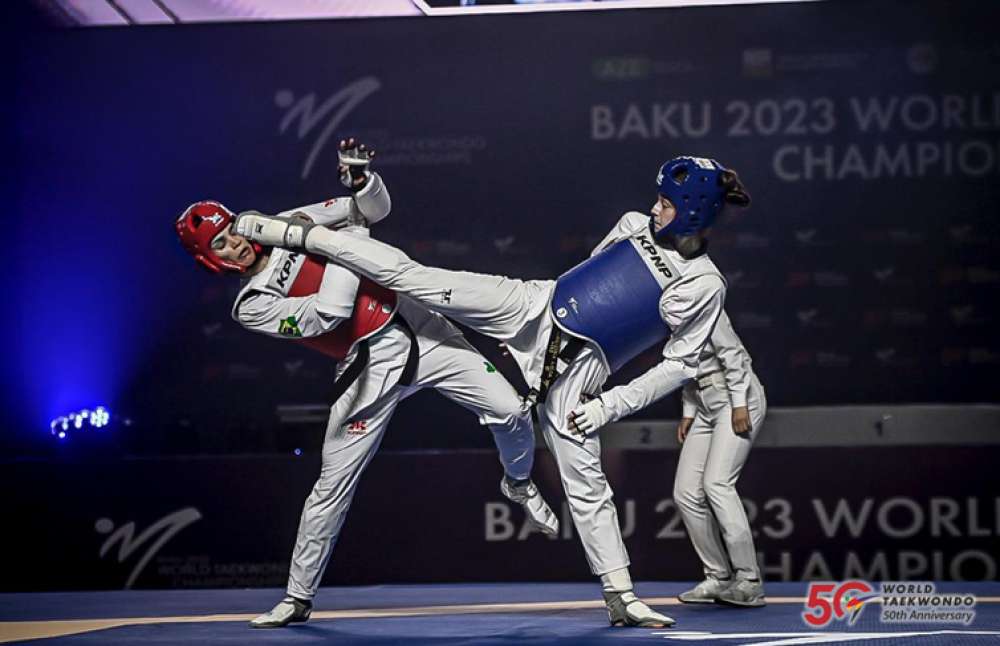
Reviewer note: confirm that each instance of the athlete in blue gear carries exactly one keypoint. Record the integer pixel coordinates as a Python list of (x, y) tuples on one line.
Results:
[(647, 281)]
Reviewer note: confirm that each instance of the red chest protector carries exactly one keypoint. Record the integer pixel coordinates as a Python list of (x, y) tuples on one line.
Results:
[(373, 308)]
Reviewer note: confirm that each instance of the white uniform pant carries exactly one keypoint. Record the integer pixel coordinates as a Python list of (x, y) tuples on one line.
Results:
[(711, 459), (516, 312), (587, 489), (358, 420)]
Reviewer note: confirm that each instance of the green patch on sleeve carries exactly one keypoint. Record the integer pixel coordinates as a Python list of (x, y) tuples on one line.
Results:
[(289, 327), (489, 367)]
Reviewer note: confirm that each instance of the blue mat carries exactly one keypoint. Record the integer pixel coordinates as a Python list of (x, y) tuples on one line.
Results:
[(779, 623)]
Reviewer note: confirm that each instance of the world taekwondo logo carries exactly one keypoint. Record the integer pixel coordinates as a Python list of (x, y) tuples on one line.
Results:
[(154, 538), (829, 601), (901, 602), (320, 121)]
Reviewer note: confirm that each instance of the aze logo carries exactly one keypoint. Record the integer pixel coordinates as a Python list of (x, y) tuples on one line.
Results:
[(215, 219), (333, 110), (156, 535), (654, 256)]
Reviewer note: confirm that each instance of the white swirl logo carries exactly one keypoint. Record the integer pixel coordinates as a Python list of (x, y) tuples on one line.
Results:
[(128, 543), (309, 116)]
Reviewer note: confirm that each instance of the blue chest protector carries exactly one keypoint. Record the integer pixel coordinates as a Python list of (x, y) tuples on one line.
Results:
[(613, 299)]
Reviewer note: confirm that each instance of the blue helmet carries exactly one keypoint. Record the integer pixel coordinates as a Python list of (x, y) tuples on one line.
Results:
[(693, 186)]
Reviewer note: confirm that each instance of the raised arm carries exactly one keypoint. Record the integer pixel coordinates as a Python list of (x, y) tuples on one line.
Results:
[(369, 202), (371, 198)]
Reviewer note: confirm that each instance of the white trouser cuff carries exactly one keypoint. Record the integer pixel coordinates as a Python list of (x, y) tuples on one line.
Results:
[(617, 580)]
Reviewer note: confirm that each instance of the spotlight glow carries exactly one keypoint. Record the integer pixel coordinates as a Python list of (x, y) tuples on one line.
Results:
[(99, 417)]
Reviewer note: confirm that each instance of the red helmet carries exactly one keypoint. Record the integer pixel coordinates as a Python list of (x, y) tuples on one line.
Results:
[(198, 225)]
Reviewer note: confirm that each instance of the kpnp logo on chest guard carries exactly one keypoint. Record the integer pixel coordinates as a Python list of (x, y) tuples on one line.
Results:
[(661, 268), (286, 270)]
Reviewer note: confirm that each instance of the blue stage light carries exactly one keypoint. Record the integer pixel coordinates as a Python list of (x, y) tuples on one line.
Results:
[(99, 417)]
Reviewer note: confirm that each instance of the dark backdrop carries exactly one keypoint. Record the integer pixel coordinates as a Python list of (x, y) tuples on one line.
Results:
[(866, 271)]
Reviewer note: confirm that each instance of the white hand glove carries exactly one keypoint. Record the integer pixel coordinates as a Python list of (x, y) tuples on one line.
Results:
[(586, 418), (271, 231), (353, 160)]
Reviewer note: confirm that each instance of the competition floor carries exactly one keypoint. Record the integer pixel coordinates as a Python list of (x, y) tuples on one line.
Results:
[(455, 614)]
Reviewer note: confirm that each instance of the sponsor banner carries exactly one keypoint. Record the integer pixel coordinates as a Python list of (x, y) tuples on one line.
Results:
[(877, 514)]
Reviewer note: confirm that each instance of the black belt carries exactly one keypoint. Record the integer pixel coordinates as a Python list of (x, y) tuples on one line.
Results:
[(551, 363), (353, 371)]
